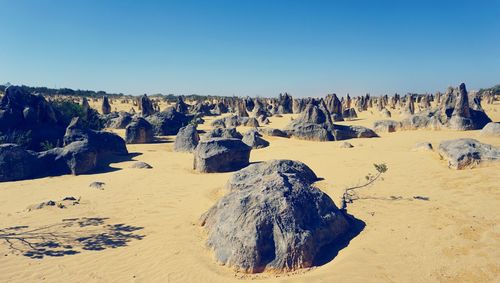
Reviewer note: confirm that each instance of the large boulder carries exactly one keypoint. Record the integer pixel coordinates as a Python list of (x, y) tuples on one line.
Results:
[(341, 132), (139, 131), (467, 153), (122, 121), (187, 139), (386, 126), (168, 122), (105, 143), (221, 155), (76, 158), (491, 129), (29, 120), (17, 163), (314, 123), (254, 139), (349, 114), (273, 218)]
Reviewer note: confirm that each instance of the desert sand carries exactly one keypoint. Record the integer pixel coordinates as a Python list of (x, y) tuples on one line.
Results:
[(452, 237)]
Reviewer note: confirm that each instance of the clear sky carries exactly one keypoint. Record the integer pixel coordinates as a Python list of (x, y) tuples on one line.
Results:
[(253, 47)]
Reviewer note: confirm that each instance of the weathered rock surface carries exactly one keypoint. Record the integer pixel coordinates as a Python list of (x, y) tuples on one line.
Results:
[(386, 126), (122, 121), (105, 143), (146, 106), (17, 163), (139, 131), (273, 219), (29, 120), (467, 153), (187, 139), (254, 139), (221, 155), (105, 106), (168, 122)]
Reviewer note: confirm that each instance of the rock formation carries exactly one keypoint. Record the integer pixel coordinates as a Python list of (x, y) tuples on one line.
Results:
[(273, 218), (221, 155)]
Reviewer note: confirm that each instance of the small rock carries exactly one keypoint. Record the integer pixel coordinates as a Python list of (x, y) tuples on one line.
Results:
[(141, 165), (97, 185), (423, 146), (421, 198), (345, 145)]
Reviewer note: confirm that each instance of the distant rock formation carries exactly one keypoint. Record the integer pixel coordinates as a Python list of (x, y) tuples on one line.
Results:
[(105, 107)]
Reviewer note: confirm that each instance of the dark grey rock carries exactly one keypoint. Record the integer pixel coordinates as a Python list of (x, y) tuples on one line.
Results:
[(146, 106), (251, 122), (105, 143), (254, 139), (122, 121), (17, 163), (187, 139), (273, 219), (341, 132), (139, 131), (105, 106), (349, 114), (221, 155), (168, 122)]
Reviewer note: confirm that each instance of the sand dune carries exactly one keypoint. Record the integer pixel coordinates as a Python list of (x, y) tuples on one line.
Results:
[(452, 237)]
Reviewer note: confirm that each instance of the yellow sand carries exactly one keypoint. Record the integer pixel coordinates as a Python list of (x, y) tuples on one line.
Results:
[(453, 237)]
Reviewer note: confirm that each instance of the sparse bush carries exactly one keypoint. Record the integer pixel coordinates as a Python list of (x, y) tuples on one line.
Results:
[(46, 145), (350, 193), (68, 110)]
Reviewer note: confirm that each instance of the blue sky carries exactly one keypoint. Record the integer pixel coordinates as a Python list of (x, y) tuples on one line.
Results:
[(258, 47)]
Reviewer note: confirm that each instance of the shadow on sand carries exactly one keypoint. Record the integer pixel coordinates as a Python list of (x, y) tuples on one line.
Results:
[(104, 163), (328, 253), (71, 236)]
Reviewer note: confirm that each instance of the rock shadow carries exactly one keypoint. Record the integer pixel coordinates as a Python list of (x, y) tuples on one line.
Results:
[(70, 237), (329, 252)]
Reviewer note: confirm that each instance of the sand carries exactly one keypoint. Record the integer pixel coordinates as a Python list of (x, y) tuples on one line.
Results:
[(452, 237)]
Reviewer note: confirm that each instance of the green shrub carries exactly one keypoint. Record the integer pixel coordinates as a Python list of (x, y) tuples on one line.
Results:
[(68, 110)]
